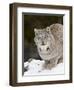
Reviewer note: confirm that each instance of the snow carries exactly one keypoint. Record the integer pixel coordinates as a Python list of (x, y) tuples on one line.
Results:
[(35, 68)]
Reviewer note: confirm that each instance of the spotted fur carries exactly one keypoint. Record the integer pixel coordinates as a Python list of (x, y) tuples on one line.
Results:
[(49, 42)]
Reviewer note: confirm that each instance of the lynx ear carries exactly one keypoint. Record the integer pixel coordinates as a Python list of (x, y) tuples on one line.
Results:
[(36, 31), (48, 30)]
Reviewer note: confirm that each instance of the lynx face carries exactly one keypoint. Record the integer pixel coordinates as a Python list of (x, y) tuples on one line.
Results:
[(44, 41)]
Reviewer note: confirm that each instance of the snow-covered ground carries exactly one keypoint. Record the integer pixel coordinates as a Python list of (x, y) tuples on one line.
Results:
[(35, 68)]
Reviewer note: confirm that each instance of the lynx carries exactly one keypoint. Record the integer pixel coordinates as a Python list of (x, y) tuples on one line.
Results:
[(49, 42)]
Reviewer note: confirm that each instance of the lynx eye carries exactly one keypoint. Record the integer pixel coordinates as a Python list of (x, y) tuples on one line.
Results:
[(38, 38)]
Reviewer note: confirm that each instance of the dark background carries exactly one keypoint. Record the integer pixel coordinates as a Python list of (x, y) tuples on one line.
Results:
[(32, 21)]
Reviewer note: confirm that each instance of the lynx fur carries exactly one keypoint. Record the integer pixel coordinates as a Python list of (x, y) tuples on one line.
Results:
[(49, 42)]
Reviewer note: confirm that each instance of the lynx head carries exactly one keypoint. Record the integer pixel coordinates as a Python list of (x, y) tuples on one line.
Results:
[(44, 40)]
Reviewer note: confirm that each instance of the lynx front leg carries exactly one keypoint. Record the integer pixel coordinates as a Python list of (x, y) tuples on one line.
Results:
[(51, 64)]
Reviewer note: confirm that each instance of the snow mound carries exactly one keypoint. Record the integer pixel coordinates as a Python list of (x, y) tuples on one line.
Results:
[(34, 67)]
